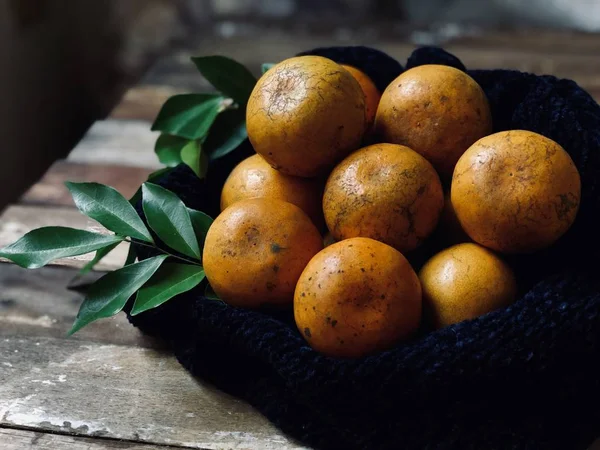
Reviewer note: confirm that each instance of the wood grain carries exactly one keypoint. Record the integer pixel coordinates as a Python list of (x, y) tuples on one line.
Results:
[(143, 102), (275, 45), (137, 394), (128, 143), (18, 220), (37, 303), (51, 190), (16, 439), (565, 54)]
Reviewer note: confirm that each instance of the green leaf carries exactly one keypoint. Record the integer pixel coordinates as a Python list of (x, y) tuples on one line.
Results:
[(170, 280), (168, 217), (38, 247), (227, 133), (227, 76), (107, 296), (201, 223), (152, 177), (189, 116), (193, 156), (105, 205), (265, 67), (100, 253), (168, 149)]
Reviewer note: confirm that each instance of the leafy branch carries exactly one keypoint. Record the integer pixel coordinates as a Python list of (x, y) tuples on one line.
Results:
[(195, 129), (175, 269), (198, 128)]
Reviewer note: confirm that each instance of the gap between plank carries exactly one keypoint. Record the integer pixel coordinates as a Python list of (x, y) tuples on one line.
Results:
[(103, 438)]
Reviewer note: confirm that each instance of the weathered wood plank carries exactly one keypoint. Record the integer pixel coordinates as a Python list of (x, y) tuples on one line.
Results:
[(130, 142), (275, 45), (51, 190), (37, 303), (18, 220), (565, 53), (15, 439), (143, 102), (137, 394), (120, 142)]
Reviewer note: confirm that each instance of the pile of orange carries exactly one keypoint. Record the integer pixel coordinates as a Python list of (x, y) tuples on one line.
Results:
[(319, 221)]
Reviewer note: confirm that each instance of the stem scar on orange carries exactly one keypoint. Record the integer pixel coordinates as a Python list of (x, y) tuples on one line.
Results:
[(305, 114)]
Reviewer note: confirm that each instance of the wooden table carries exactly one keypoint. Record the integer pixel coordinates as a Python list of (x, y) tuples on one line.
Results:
[(109, 386)]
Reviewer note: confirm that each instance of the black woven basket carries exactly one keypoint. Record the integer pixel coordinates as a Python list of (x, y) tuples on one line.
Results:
[(524, 377)]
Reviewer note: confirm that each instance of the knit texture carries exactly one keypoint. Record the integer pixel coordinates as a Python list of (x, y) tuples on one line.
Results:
[(524, 377)]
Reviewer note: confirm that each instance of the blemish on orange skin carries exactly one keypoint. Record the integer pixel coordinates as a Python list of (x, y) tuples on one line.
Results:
[(516, 191), (351, 313), (256, 249), (438, 111), (254, 178), (385, 192), (464, 282)]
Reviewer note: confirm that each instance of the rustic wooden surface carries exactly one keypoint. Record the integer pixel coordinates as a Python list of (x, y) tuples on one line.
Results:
[(123, 392), (37, 303), (128, 143), (16, 439), (51, 190), (109, 386)]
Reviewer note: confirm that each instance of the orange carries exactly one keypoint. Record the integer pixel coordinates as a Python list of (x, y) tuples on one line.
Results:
[(357, 297), (385, 192), (516, 191), (464, 282), (254, 177), (438, 111), (256, 249), (372, 94), (305, 114)]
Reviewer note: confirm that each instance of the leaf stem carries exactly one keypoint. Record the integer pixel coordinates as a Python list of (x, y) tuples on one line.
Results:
[(143, 244)]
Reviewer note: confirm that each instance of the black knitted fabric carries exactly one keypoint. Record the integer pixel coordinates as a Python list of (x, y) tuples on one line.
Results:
[(524, 377), (380, 67)]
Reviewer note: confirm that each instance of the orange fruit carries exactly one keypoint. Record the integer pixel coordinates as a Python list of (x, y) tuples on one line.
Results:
[(357, 297), (256, 249), (254, 177), (372, 94), (305, 114), (385, 192), (463, 282), (516, 191), (438, 111)]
